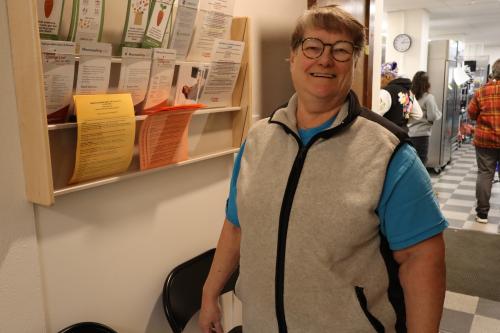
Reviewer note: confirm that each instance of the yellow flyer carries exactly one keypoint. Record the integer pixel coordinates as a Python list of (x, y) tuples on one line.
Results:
[(106, 132)]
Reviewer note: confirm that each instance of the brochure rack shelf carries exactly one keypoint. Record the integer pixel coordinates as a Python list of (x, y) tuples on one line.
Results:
[(54, 127), (133, 174), (49, 151)]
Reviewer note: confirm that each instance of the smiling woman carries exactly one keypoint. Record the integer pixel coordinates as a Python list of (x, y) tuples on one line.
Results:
[(315, 215)]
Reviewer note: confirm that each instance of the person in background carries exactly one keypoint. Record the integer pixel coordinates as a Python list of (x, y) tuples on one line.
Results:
[(331, 216), (484, 108), (397, 102), (420, 129)]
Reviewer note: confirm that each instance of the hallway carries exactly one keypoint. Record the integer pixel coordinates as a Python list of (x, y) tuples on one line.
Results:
[(456, 194)]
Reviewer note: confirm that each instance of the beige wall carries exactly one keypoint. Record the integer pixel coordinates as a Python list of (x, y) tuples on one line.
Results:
[(272, 25), (21, 300), (103, 254)]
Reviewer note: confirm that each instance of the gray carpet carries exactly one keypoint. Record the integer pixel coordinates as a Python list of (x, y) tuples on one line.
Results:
[(473, 263)]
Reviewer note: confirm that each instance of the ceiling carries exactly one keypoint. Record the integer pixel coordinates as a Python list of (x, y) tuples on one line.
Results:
[(473, 21)]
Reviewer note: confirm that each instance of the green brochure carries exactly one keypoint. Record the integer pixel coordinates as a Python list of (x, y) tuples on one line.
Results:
[(87, 20), (160, 17), (136, 23)]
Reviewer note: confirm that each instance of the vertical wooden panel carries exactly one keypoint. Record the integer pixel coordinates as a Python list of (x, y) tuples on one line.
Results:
[(370, 24), (242, 94), (30, 99)]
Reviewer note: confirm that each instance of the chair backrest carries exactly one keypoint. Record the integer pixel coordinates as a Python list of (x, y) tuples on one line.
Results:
[(88, 327), (183, 288)]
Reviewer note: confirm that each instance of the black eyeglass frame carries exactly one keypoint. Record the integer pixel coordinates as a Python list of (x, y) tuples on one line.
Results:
[(354, 48)]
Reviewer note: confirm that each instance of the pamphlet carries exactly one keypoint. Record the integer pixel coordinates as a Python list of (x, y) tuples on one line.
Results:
[(163, 139), (94, 68), (134, 74), (190, 83), (49, 18), (183, 27), (213, 21), (136, 22), (160, 82), (106, 133), (159, 20), (87, 20), (58, 59), (223, 73), (225, 7)]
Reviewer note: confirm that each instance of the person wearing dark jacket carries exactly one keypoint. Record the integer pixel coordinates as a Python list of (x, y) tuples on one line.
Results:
[(396, 101)]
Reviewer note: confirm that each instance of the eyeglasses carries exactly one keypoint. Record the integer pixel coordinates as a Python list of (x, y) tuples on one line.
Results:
[(341, 50)]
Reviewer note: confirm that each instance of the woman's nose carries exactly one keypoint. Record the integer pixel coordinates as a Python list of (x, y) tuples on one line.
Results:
[(326, 57)]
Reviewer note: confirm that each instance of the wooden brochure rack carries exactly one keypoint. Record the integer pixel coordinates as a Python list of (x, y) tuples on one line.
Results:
[(49, 150)]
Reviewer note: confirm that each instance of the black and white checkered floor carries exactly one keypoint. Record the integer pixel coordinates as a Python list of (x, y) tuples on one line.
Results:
[(456, 193), (455, 187)]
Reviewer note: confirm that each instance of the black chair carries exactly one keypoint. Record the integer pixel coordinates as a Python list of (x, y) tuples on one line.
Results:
[(183, 288), (88, 327)]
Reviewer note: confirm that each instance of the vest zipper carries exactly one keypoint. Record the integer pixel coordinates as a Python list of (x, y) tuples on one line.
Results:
[(363, 303), (286, 207)]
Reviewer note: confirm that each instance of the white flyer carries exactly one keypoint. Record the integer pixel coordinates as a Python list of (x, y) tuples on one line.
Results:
[(209, 26), (225, 7), (134, 73), (160, 82), (183, 27), (58, 59), (87, 20), (223, 73), (94, 68), (136, 23), (49, 18)]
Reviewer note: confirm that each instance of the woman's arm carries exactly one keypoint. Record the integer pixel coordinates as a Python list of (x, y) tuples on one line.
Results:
[(422, 274), (416, 112), (433, 112), (224, 264)]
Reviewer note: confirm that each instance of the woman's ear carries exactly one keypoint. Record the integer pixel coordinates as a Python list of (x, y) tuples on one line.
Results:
[(293, 54)]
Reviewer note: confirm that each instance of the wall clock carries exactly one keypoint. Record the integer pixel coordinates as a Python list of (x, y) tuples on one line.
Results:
[(402, 42)]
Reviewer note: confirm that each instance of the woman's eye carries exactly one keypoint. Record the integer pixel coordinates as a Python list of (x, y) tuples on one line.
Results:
[(341, 51), (313, 48)]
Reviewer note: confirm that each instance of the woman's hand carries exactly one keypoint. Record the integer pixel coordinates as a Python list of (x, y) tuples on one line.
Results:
[(210, 316)]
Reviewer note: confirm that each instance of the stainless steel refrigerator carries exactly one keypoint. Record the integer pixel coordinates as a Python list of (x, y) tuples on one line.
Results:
[(442, 61)]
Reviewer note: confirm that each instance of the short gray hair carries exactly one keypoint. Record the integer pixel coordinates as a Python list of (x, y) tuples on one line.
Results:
[(496, 70), (331, 19)]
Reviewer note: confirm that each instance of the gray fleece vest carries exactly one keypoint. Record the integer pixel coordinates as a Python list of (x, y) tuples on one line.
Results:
[(312, 256)]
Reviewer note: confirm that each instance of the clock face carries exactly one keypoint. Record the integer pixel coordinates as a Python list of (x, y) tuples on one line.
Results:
[(402, 42)]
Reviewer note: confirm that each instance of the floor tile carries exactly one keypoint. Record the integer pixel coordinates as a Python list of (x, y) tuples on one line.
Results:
[(461, 209), (482, 324), (458, 224), (463, 203), (455, 215), (451, 178), (445, 195), (487, 308), (462, 186), (466, 192), (456, 321), (463, 197), (488, 227), (442, 185), (461, 302)]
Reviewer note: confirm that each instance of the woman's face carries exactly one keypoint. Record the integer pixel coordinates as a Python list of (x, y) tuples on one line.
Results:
[(323, 78)]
